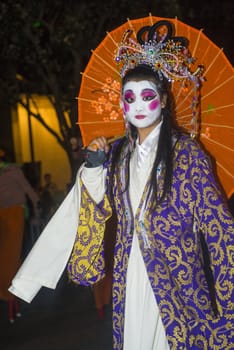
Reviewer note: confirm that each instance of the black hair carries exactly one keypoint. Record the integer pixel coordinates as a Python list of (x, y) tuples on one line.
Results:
[(164, 151)]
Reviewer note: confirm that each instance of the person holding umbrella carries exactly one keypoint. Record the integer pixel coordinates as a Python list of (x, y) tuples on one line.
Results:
[(173, 269), (173, 259)]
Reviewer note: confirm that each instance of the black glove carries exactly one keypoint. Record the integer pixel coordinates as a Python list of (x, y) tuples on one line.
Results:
[(94, 159)]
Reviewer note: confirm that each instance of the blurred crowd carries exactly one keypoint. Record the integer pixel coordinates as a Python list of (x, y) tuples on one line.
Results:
[(24, 211)]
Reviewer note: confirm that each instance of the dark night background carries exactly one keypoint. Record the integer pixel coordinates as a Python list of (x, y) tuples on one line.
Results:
[(45, 45)]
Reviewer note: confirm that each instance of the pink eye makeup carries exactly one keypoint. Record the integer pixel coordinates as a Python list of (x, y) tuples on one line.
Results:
[(129, 96), (148, 94)]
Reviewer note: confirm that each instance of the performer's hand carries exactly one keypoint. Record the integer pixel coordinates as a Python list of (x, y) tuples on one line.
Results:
[(100, 143), (95, 153)]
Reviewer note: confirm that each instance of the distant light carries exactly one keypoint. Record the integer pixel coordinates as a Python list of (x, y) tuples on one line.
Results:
[(19, 77)]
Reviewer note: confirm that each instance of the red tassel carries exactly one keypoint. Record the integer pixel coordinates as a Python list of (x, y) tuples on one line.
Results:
[(13, 309), (101, 314)]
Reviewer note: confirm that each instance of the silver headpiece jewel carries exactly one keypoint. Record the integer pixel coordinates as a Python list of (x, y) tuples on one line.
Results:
[(165, 54)]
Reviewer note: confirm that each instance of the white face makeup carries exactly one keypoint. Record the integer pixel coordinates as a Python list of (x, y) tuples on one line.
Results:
[(141, 103)]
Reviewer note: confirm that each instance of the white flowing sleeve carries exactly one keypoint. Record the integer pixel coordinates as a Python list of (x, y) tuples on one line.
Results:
[(48, 258), (94, 181)]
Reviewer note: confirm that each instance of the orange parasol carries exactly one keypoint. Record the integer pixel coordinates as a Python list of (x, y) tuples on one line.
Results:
[(98, 100)]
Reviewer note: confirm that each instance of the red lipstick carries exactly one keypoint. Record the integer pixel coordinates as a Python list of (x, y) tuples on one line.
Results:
[(140, 116)]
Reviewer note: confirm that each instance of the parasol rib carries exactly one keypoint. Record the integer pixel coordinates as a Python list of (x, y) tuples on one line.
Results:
[(218, 126), (184, 100), (208, 94), (97, 81), (151, 19), (213, 61), (105, 62), (99, 102), (225, 170), (176, 19), (217, 143), (217, 87), (205, 53), (213, 125), (205, 111), (218, 108), (112, 39), (131, 27), (219, 75), (178, 93), (196, 43)]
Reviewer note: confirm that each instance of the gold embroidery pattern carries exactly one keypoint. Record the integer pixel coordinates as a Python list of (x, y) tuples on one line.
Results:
[(173, 256), (172, 252), (86, 264)]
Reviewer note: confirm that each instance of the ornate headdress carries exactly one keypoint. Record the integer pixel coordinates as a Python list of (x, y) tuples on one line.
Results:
[(166, 54)]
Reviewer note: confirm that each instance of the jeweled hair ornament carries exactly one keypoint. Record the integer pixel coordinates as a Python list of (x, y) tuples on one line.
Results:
[(167, 55), (164, 53)]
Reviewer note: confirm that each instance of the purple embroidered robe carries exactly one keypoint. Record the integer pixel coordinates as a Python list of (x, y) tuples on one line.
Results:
[(173, 240)]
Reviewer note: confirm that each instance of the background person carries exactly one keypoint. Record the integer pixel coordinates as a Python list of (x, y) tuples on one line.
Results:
[(13, 190), (48, 198)]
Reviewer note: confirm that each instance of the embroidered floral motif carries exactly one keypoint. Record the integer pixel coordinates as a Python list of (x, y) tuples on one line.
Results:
[(173, 254), (86, 264)]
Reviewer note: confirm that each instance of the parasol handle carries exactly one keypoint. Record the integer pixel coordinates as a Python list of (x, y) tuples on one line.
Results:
[(96, 156), (114, 138), (109, 140)]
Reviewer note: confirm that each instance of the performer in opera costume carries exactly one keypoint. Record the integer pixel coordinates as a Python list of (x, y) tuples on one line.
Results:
[(173, 272)]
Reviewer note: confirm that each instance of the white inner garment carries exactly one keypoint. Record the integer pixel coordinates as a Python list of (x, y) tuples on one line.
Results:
[(143, 328)]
